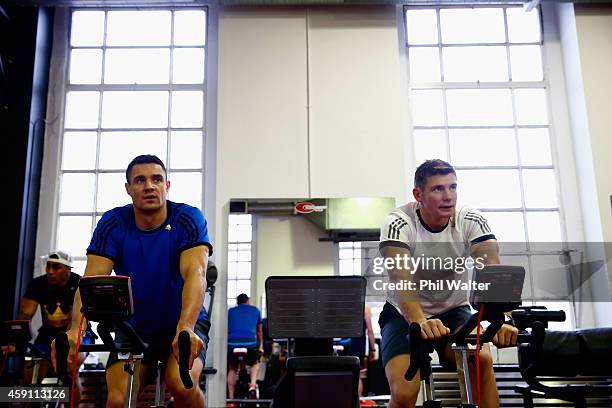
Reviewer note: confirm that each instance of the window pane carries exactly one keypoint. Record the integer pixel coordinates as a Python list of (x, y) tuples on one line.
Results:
[(87, 28), (422, 26), (78, 267), (240, 219), (232, 256), (231, 289), (526, 63), (240, 233), (427, 108), (507, 226), (244, 255), (483, 147), (186, 188), (188, 66), (345, 267), (135, 109), (243, 286), (137, 66), (85, 66), (186, 150), (244, 270), (489, 188), (82, 110), (430, 144), (540, 189), (79, 151), (424, 64), (523, 26), (138, 28), (481, 107), (543, 226), (189, 27), (74, 234), (117, 149), (475, 25), (471, 64), (534, 145), (77, 192), (187, 109), (345, 253), (531, 107), (111, 191)]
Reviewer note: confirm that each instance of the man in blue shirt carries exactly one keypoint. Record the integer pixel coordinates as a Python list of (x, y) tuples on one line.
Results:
[(244, 329), (163, 247)]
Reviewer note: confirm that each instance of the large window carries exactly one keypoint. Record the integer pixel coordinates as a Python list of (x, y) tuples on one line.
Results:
[(239, 256), (135, 84), (479, 100)]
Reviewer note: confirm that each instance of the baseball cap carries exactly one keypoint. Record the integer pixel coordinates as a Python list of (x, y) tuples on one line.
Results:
[(60, 257)]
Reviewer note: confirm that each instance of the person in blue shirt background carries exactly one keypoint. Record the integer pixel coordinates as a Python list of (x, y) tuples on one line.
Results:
[(244, 329)]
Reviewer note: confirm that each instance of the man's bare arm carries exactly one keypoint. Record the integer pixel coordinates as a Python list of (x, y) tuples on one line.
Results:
[(406, 300), (487, 250), (27, 309), (193, 271)]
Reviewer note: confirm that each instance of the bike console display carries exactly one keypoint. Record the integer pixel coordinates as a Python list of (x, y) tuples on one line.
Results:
[(106, 298), (497, 284), (17, 332)]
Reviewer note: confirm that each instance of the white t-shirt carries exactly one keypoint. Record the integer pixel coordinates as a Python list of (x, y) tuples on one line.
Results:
[(438, 251)]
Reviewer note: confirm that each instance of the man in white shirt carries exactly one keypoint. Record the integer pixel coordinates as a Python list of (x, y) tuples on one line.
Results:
[(433, 232)]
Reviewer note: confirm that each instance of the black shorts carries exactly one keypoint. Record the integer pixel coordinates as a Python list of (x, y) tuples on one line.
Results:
[(161, 347), (394, 331), (252, 356)]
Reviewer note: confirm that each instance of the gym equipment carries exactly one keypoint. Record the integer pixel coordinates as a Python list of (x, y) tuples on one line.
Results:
[(311, 311), (504, 285), (108, 301), (545, 353), (19, 334)]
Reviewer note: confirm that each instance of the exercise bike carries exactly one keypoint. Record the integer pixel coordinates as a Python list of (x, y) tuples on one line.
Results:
[(108, 301), (505, 284)]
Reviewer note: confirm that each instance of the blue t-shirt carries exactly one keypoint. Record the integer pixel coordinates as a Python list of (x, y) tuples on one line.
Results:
[(242, 321), (151, 259)]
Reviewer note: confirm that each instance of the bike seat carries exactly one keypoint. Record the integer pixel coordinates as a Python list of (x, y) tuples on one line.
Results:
[(240, 351)]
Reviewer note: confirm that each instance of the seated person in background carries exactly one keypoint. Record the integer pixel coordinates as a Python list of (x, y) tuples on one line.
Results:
[(163, 246), (54, 292), (244, 329)]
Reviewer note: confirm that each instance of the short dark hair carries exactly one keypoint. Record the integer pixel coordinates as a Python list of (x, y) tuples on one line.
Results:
[(242, 298), (143, 159), (431, 168)]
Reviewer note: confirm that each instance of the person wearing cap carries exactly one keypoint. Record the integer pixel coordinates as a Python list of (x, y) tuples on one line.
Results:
[(54, 292), (244, 329)]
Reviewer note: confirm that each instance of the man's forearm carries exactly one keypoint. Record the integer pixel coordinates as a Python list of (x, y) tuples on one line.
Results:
[(24, 316), (193, 299), (76, 312)]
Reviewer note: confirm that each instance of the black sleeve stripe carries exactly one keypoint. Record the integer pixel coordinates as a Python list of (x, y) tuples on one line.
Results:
[(399, 228), (189, 226), (483, 238), (102, 255), (480, 220), (396, 244), (194, 226), (102, 233), (196, 244), (395, 227)]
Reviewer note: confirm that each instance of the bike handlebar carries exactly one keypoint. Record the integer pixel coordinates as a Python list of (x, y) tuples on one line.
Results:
[(184, 347)]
